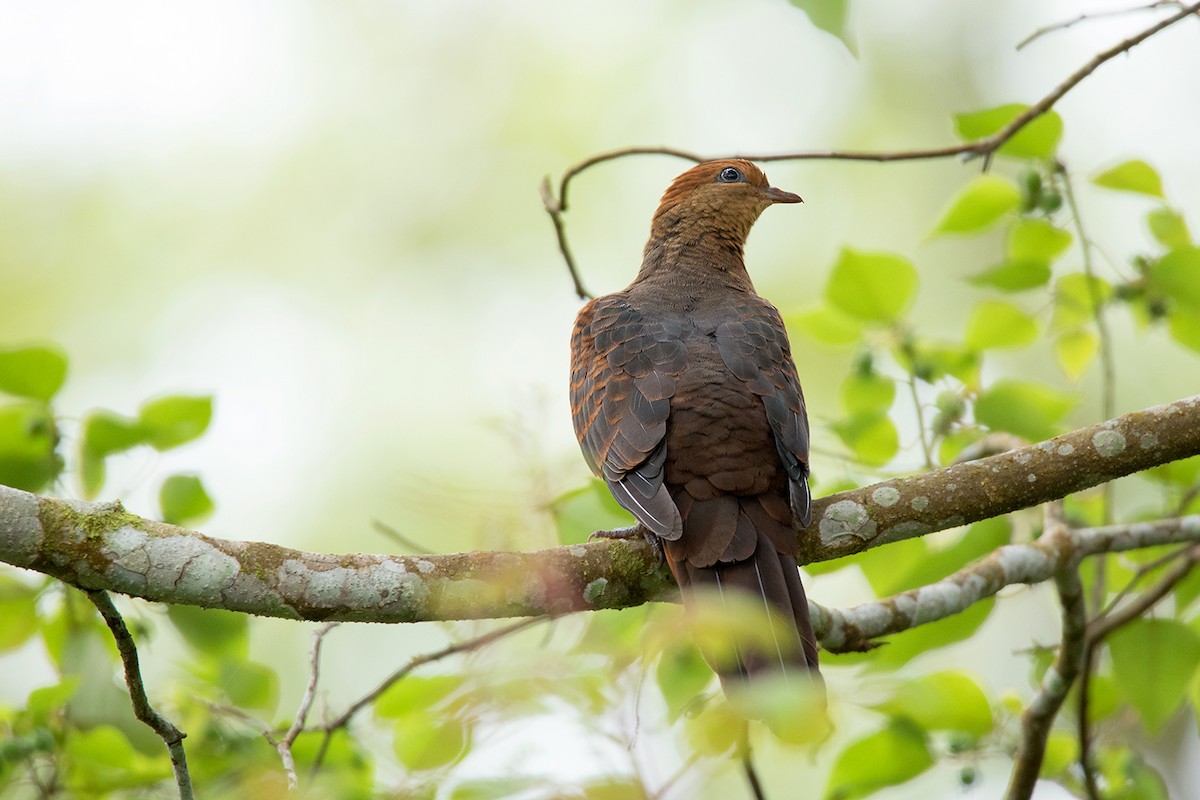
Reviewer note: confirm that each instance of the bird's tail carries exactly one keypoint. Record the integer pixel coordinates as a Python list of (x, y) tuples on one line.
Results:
[(759, 593)]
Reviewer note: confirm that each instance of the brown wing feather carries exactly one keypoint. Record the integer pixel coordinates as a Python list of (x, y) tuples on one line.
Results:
[(623, 369)]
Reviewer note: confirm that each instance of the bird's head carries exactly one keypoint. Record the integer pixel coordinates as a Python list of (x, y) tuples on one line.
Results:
[(716, 197)]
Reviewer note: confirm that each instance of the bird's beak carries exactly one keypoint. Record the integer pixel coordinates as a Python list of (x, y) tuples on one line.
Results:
[(780, 196)]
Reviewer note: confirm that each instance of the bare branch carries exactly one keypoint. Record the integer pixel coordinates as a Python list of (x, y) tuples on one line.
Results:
[(1039, 716), (284, 745), (171, 736), (985, 147), (101, 546), (1060, 26)]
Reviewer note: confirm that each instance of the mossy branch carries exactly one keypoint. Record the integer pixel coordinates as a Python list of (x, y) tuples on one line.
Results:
[(101, 546)]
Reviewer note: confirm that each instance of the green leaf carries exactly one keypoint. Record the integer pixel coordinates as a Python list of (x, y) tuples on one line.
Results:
[(829, 16), (875, 287), (1074, 350), (1168, 228), (1031, 239), (34, 372), (580, 512), (827, 325), (872, 437), (249, 685), (1184, 326), (887, 757), (907, 645), (1062, 750), (496, 788), (1177, 275), (18, 612), (415, 694), (1131, 176), (212, 632), (871, 393), (997, 324), (943, 701), (913, 563), (1014, 276), (423, 741), (1030, 410), (29, 457), (1182, 473), (47, 700), (1073, 299), (171, 421), (1038, 139), (106, 433), (795, 712), (102, 759), (979, 205), (682, 676), (1153, 662), (184, 500)]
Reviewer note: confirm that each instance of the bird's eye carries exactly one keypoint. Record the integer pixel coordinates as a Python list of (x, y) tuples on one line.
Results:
[(730, 175)]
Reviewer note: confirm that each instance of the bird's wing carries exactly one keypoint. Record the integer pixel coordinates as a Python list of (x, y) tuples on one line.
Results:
[(623, 370), (754, 346)]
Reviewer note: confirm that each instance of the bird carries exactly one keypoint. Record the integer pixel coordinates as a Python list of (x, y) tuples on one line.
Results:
[(686, 402)]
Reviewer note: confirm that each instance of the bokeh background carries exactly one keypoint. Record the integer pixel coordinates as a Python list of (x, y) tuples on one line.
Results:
[(326, 215)]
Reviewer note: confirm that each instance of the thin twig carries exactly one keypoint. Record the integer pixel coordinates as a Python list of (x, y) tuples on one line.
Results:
[(171, 736), (392, 533), (1060, 26), (743, 752), (284, 745), (1142, 571), (465, 646), (684, 768), (1101, 627), (985, 147), (1039, 716), (921, 430), (1056, 683)]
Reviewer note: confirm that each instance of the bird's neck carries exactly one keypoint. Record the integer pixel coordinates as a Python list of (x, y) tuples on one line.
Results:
[(691, 254)]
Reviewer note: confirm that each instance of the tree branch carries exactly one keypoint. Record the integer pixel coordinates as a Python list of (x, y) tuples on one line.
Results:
[(101, 546), (171, 736), (985, 147)]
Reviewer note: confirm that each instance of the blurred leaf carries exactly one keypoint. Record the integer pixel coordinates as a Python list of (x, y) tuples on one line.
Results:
[(1014, 276), (18, 612), (212, 632), (974, 543), (794, 710), (171, 421), (1177, 274), (930, 361), (1031, 239), (580, 512), (1062, 749), (345, 762), (887, 757), (102, 759), (1184, 325), (1168, 228), (867, 394), (183, 500), (829, 16), (249, 684), (1074, 350), (1030, 410), (106, 433), (715, 729), (872, 437), (1131, 176), (496, 788), (942, 701), (1038, 139), (423, 742), (614, 788), (979, 205), (1153, 662), (682, 676), (1184, 472), (34, 372), (29, 458), (826, 324), (47, 700), (415, 693), (997, 324), (1073, 299), (875, 287)]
